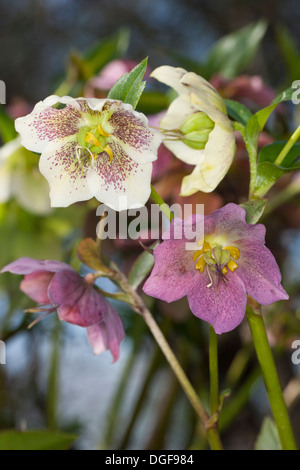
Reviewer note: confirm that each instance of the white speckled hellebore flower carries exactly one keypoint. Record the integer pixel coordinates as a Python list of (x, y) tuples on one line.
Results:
[(197, 129), (92, 148)]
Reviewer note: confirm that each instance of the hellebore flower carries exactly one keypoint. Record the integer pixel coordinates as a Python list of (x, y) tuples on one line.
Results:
[(92, 148), (231, 262), (196, 129), (20, 178), (57, 286)]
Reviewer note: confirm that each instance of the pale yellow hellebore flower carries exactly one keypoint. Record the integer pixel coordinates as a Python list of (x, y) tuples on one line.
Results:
[(196, 129)]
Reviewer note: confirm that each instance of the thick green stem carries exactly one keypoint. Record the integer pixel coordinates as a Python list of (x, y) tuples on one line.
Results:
[(267, 364), (213, 372), (292, 140), (252, 153)]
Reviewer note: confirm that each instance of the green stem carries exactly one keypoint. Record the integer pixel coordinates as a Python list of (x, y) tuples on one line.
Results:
[(213, 372), (53, 381), (267, 364), (252, 153), (161, 203), (292, 140), (139, 307)]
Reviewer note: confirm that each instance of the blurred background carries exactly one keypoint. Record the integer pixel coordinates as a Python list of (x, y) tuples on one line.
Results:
[(52, 380)]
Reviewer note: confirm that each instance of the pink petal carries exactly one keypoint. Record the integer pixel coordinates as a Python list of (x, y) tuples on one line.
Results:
[(79, 303), (36, 285)]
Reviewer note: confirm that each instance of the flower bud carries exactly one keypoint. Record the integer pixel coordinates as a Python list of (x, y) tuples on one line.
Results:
[(196, 129)]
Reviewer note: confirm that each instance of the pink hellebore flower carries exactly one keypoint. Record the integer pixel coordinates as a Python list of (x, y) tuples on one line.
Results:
[(57, 285), (231, 262)]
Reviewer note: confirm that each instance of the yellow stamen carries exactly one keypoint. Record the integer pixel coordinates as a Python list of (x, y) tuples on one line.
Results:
[(232, 265), (234, 251), (224, 270), (109, 152), (206, 247), (91, 139), (197, 254), (101, 131), (200, 264)]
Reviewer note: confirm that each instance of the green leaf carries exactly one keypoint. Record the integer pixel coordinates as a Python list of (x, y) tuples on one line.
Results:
[(268, 438), (107, 49), (141, 268), (238, 111), (89, 253), (254, 210), (7, 127), (35, 440), (130, 86), (267, 172), (234, 52), (289, 51)]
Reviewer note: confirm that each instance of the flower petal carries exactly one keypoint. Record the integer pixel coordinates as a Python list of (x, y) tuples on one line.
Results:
[(47, 124), (130, 129), (120, 183), (173, 272), (223, 305), (32, 191), (29, 265), (36, 285), (259, 272), (65, 173), (178, 111), (229, 222), (213, 164), (107, 334), (78, 302)]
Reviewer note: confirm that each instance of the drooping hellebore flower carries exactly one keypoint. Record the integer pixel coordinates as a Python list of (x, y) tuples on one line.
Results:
[(21, 179), (231, 262), (197, 129), (57, 286), (92, 148)]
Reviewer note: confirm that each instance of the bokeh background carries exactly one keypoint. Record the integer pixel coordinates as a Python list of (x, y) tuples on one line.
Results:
[(52, 380)]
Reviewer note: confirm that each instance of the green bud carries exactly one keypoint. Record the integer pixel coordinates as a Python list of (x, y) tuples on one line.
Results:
[(209, 259), (217, 252), (196, 122), (197, 139), (225, 258), (196, 129)]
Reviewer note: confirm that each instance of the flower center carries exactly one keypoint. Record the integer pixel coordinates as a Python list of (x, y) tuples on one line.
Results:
[(94, 141), (196, 129), (216, 258)]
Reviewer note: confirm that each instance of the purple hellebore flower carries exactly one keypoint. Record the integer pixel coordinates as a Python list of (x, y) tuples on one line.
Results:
[(231, 262), (57, 285)]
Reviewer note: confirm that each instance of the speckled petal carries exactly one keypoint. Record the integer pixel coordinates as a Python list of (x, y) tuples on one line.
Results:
[(223, 305), (65, 173), (47, 124), (130, 129), (120, 183)]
